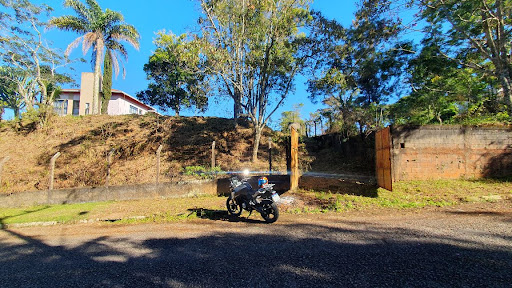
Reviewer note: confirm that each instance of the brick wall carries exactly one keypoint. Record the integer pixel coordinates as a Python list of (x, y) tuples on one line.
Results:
[(450, 152)]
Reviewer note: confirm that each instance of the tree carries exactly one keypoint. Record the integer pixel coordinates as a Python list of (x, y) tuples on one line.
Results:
[(442, 89), (361, 66), (255, 49), (289, 117), (9, 95), (107, 83), (479, 36), (174, 71), (98, 29), (29, 62), (315, 119)]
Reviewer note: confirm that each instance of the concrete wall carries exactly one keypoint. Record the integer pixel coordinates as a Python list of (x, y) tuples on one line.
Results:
[(450, 152), (86, 92), (120, 105), (218, 187), (118, 193)]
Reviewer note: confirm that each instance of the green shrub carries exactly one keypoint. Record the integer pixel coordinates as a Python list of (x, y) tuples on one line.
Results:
[(202, 172)]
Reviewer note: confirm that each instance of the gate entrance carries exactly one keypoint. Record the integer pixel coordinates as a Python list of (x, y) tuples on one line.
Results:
[(383, 159)]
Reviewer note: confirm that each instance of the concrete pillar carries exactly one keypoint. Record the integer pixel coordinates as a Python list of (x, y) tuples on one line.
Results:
[(52, 169), (158, 151), (213, 155)]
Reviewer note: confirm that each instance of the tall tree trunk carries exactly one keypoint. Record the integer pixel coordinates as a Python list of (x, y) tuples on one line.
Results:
[(16, 113), (107, 83), (236, 111), (237, 108), (256, 145), (506, 84)]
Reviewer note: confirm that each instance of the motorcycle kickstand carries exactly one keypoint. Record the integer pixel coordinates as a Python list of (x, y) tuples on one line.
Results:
[(250, 212)]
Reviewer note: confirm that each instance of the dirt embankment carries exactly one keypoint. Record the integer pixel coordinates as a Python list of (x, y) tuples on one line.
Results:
[(85, 143)]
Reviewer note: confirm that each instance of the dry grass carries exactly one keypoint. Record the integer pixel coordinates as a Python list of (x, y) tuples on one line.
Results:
[(407, 196), (84, 143)]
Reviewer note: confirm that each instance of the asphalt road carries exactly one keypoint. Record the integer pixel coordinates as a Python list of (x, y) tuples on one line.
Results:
[(468, 246)]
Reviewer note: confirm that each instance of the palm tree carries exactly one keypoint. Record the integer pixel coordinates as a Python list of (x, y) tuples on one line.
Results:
[(98, 29)]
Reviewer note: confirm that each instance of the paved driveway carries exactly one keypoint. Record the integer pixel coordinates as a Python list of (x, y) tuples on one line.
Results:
[(465, 246)]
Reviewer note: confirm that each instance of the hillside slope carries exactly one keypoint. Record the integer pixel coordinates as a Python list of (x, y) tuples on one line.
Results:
[(85, 142)]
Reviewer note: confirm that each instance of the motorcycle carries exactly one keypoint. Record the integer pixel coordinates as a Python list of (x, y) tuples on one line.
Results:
[(244, 197)]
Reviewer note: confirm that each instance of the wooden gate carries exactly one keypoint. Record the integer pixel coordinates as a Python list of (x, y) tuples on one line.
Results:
[(383, 159)]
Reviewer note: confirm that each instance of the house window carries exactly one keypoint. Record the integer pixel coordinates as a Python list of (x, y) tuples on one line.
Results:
[(134, 110), (86, 108), (76, 107), (60, 107)]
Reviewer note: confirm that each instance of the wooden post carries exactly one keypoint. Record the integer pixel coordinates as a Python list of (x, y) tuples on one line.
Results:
[(6, 158), (213, 155), (270, 154), (158, 163), (52, 168), (109, 164), (294, 157)]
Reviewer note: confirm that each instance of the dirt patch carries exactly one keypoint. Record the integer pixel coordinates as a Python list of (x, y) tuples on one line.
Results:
[(85, 143)]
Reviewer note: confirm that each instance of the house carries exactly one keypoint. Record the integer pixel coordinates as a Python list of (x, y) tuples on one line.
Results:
[(79, 101)]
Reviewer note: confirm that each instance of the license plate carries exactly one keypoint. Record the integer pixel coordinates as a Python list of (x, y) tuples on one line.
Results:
[(275, 197)]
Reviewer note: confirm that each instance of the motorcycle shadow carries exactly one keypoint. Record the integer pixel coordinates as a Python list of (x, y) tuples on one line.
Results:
[(222, 215)]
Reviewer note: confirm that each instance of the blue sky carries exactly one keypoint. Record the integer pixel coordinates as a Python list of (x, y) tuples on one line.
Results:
[(178, 16)]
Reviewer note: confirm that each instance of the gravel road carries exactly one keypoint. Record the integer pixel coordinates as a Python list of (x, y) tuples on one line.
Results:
[(463, 246)]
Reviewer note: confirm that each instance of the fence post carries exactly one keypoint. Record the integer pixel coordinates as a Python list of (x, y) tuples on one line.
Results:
[(294, 157), (270, 154), (109, 163), (158, 163), (213, 155), (52, 168), (6, 158)]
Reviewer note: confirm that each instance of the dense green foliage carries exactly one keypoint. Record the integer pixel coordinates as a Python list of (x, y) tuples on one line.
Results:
[(460, 72), (369, 74), (359, 68), (106, 83), (250, 51), (9, 96), (174, 71)]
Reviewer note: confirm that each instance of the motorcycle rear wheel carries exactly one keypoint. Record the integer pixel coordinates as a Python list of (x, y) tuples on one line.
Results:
[(270, 212), (233, 208)]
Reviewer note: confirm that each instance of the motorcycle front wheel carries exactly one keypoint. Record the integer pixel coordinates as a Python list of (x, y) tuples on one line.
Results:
[(270, 212), (233, 208)]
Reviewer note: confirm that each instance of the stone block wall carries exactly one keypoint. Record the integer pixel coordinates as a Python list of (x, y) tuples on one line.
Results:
[(450, 152)]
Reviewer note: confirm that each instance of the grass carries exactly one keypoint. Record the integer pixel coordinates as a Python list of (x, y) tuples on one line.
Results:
[(406, 195), (410, 194), (55, 213), (124, 212)]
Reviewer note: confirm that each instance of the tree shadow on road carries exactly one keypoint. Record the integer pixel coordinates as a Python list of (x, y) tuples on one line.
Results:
[(294, 255)]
